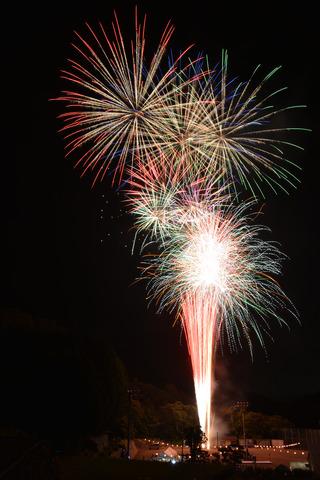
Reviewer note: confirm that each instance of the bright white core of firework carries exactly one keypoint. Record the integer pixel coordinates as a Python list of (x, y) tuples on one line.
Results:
[(206, 258)]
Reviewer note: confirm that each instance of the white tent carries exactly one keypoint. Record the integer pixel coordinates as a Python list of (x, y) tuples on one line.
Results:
[(171, 452)]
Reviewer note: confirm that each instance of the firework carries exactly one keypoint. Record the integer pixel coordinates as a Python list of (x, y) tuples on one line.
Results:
[(219, 275), (247, 145), (118, 100), (161, 202), (185, 139), (123, 108), (220, 124)]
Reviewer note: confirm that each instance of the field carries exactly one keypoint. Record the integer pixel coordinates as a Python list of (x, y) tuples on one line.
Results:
[(102, 468)]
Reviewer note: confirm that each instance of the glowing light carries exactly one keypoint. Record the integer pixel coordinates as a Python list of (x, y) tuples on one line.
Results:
[(208, 259)]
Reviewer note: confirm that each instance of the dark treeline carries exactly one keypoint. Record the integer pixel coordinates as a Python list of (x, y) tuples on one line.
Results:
[(60, 386), (65, 387)]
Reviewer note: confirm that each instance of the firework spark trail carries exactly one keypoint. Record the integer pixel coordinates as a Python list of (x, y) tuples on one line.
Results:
[(198, 317)]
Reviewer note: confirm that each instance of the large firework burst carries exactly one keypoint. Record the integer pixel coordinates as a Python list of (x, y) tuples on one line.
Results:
[(123, 108), (118, 101), (219, 275), (217, 252), (217, 123)]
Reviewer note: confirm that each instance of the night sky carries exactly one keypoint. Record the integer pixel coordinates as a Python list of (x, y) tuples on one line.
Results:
[(67, 252)]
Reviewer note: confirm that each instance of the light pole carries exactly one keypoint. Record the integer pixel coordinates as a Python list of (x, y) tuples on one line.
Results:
[(182, 451), (242, 406), (130, 392)]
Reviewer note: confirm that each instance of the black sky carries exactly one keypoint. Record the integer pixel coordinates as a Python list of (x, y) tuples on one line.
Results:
[(62, 260)]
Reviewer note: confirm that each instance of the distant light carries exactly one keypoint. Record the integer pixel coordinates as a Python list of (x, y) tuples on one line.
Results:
[(173, 461)]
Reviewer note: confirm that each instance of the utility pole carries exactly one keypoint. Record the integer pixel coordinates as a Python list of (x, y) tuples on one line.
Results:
[(130, 392), (242, 406), (244, 432)]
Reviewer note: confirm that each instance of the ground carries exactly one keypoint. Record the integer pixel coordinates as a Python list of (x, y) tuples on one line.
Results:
[(86, 468), (101, 468)]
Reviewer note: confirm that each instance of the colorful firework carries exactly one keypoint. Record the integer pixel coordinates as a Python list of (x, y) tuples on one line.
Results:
[(186, 140), (118, 101), (219, 275), (219, 124), (160, 201), (247, 145), (123, 109)]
